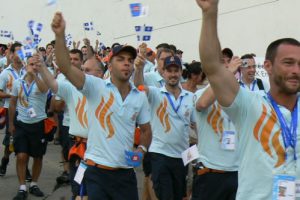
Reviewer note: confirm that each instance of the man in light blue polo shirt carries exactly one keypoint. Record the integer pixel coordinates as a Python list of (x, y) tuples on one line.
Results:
[(153, 78), (172, 113), (115, 107), (29, 96), (268, 125), (14, 71)]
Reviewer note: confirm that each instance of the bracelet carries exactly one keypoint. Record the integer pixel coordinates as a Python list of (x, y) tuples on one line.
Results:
[(143, 148)]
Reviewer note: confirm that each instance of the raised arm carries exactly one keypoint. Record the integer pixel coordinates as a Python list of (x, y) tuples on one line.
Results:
[(221, 80), (74, 75), (90, 50), (48, 78), (139, 64)]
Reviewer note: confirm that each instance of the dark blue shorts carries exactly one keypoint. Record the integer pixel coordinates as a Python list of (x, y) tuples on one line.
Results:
[(30, 139), (111, 184)]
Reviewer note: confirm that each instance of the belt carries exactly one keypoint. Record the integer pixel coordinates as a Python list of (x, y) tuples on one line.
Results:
[(80, 139), (208, 170), (92, 163)]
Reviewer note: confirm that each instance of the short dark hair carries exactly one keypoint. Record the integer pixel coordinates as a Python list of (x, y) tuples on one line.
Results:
[(49, 45), (227, 52), (14, 46), (115, 44), (77, 51), (166, 50), (173, 48), (192, 68), (272, 48), (247, 56), (163, 45)]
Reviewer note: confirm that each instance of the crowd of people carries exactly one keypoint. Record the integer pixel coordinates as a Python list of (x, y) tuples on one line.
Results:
[(121, 107)]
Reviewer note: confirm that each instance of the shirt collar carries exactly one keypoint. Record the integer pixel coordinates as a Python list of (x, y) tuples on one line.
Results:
[(182, 93), (109, 84)]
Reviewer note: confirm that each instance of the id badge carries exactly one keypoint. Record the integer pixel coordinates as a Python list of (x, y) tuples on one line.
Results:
[(298, 188), (228, 140), (284, 187), (31, 112), (80, 173)]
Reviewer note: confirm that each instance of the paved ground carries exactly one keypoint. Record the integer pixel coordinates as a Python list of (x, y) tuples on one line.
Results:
[(51, 169)]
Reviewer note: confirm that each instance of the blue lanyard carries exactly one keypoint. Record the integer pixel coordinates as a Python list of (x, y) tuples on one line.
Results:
[(27, 93), (161, 83), (289, 134), (16, 76), (172, 104), (253, 86)]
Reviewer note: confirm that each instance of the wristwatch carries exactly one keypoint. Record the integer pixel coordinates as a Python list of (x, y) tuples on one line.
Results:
[(143, 148)]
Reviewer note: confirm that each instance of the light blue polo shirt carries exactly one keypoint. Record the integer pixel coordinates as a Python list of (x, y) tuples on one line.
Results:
[(170, 129), (261, 148), (66, 119), (36, 100), (112, 121), (254, 86), (154, 79), (7, 78), (77, 107), (213, 121)]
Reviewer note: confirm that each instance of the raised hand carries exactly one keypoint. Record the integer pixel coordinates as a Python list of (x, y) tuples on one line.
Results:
[(86, 42), (208, 5), (234, 64), (143, 50), (58, 24)]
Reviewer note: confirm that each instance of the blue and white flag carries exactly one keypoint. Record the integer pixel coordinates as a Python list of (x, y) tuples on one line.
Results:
[(143, 32), (69, 40), (88, 26), (35, 28), (138, 10), (51, 2), (101, 46), (25, 52)]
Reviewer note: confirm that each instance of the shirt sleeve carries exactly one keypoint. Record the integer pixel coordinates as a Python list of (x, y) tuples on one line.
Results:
[(3, 79), (63, 91), (16, 85), (91, 85)]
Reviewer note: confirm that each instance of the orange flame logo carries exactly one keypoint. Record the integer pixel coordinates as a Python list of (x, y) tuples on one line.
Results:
[(81, 114), (163, 116), (215, 119), (265, 138), (22, 99), (103, 118), (10, 82)]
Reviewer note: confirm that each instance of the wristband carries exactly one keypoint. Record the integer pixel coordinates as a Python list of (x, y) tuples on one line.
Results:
[(143, 148)]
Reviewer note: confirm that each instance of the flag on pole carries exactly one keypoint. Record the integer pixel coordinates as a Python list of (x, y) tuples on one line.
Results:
[(51, 2), (35, 28), (102, 46), (88, 26), (143, 32), (138, 10), (69, 40)]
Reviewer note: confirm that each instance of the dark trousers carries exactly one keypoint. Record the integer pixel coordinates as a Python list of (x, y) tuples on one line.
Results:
[(168, 176), (215, 186), (111, 184)]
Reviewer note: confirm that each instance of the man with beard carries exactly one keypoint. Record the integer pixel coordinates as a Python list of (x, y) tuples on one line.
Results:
[(172, 113), (268, 130)]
